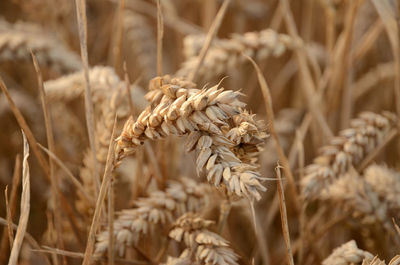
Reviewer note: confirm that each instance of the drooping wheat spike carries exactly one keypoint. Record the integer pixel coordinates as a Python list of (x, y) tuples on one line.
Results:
[(16, 41), (386, 183), (203, 246), (358, 197), (232, 166), (227, 54), (161, 208), (348, 254), (346, 150), (141, 39), (226, 138)]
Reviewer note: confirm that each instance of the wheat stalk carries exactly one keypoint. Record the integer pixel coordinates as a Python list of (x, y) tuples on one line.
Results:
[(226, 54), (202, 245), (17, 40), (116, 105), (347, 150), (142, 41), (226, 138), (160, 208)]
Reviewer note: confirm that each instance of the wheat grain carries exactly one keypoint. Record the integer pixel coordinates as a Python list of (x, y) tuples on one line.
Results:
[(227, 54), (160, 208), (347, 150), (203, 246), (16, 41)]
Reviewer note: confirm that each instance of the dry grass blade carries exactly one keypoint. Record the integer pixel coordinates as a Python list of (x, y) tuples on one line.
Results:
[(16, 179), (82, 27), (171, 20), (22, 123), (111, 209), (308, 84), (71, 176), (115, 51), (210, 36), (390, 136), (284, 218), (100, 199), (160, 34), (25, 206), (386, 10), (78, 255), (30, 239), (370, 79), (271, 119), (9, 219), (51, 145)]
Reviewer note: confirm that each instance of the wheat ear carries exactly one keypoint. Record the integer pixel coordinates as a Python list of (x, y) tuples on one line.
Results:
[(17, 40), (386, 183), (347, 150), (356, 196), (160, 208), (377, 261), (115, 104), (347, 254), (202, 245), (226, 138), (102, 81), (226, 54)]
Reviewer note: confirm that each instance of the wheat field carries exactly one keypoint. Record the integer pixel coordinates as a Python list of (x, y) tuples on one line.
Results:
[(208, 132)]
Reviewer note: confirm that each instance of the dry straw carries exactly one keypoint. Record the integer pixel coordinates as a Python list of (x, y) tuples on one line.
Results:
[(25, 207)]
